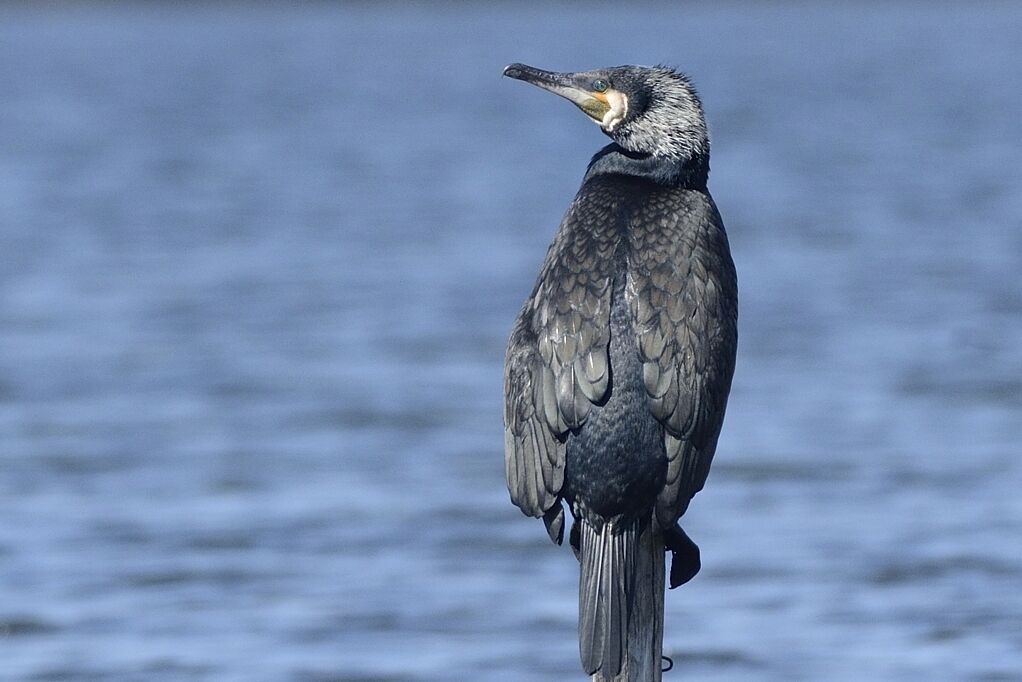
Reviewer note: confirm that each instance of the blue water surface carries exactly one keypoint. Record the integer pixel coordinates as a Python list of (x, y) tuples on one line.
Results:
[(258, 264)]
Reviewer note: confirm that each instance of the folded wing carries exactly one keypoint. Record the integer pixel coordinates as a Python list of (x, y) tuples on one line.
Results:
[(682, 293), (556, 365)]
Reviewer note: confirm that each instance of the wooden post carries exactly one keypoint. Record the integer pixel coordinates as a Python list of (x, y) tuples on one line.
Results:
[(645, 635)]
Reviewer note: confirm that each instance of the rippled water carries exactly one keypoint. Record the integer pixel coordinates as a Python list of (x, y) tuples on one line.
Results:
[(257, 267)]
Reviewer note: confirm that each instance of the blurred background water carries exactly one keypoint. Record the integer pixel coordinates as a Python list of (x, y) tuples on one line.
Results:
[(257, 268)]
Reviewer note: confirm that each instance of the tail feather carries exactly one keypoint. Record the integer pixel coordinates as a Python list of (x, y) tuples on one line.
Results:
[(607, 557)]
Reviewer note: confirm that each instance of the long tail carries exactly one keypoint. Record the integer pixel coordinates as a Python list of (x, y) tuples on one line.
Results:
[(610, 591)]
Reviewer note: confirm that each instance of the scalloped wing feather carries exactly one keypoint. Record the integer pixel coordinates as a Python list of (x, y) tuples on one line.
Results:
[(557, 366), (682, 293)]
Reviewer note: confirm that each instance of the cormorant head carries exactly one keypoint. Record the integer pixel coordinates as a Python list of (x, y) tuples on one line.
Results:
[(646, 109)]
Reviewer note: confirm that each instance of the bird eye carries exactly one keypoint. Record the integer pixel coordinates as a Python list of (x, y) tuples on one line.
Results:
[(600, 85)]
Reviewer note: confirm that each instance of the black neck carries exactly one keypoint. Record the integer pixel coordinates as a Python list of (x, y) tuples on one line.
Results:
[(690, 173)]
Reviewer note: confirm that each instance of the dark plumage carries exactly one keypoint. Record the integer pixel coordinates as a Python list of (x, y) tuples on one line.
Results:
[(619, 365)]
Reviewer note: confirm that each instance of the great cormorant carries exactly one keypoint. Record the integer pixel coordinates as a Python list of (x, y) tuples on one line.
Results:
[(619, 365)]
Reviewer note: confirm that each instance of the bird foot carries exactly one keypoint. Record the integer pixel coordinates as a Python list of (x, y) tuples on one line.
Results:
[(685, 561), (553, 519)]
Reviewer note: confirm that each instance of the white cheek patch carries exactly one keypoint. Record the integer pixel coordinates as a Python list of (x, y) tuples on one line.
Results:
[(617, 112)]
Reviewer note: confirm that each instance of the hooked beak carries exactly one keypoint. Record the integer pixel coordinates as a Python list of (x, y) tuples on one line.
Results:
[(570, 86)]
